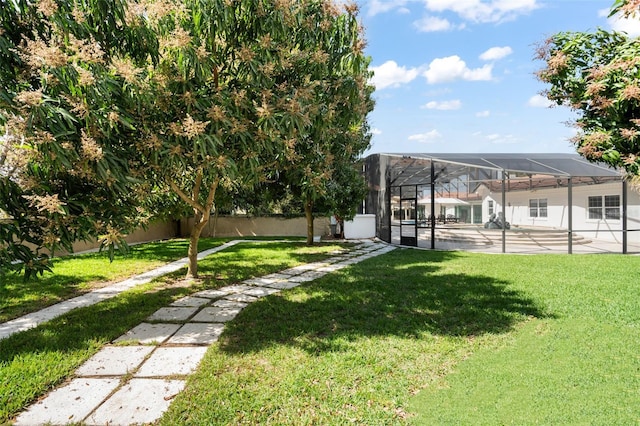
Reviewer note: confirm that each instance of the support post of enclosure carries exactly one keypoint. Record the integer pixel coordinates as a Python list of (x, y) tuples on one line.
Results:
[(504, 212), (570, 216), (415, 214), (624, 217), (433, 206)]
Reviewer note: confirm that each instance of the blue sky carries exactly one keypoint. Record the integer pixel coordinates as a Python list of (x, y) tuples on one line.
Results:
[(459, 75)]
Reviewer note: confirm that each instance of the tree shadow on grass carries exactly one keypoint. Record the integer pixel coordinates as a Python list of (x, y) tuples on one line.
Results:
[(86, 327), (33, 361), (18, 297), (81, 328), (374, 299), (239, 262)]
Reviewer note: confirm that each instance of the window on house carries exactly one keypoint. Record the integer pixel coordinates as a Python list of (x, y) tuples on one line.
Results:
[(612, 207), (538, 207), (604, 207), (595, 207), (490, 205)]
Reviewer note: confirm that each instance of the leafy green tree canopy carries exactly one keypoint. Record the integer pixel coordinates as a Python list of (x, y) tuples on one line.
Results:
[(158, 96), (66, 127), (598, 75)]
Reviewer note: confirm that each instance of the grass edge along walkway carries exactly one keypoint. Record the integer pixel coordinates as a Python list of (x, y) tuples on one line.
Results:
[(144, 390), (33, 319)]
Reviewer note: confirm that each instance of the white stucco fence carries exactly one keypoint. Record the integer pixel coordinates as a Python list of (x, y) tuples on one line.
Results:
[(362, 226)]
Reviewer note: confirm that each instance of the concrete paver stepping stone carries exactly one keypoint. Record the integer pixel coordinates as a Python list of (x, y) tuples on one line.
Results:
[(314, 274), (173, 314), (285, 285), (291, 271), (303, 268), (238, 288), (277, 276), (299, 279), (191, 301), (172, 361), (211, 294), (318, 265), (146, 333), (216, 314), (260, 282), (197, 334), (225, 303), (137, 402), (241, 297), (330, 268), (114, 361), (70, 403), (261, 291)]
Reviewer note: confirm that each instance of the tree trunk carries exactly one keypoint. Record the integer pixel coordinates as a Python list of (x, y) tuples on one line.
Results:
[(201, 218), (309, 215), (198, 226)]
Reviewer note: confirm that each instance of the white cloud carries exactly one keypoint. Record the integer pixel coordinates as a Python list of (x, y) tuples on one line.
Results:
[(631, 26), (451, 68), (497, 139), (483, 114), (390, 74), (496, 53), (426, 137), (430, 24), (444, 105), (539, 101), (381, 6), (484, 11), (376, 131)]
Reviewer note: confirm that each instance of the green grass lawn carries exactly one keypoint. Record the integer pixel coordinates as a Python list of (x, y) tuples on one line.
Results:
[(36, 360), (432, 338), (410, 337), (74, 275), (579, 365)]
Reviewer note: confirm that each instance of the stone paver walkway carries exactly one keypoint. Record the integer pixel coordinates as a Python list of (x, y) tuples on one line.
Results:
[(134, 380), (32, 320)]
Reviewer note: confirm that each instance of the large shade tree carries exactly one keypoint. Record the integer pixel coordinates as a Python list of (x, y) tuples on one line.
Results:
[(64, 114), (184, 97), (598, 75)]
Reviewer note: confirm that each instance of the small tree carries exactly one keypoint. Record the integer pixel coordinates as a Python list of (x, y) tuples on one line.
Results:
[(335, 104), (598, 75), (346, 192)]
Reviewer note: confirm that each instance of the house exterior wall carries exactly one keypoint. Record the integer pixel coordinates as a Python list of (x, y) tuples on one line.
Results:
[(376, 202), (517, 210)]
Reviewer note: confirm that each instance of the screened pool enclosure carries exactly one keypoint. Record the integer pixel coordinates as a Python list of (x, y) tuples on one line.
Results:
[(525, 203)]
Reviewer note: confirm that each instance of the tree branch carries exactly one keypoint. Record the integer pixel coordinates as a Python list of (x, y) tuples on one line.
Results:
[(211, 196), (193, 203), (197, 185)]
